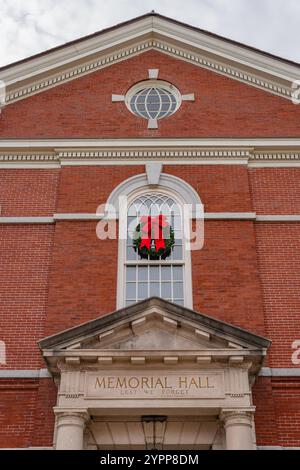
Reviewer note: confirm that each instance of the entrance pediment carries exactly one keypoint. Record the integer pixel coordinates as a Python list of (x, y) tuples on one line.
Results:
[(154, 362), (150, 329)]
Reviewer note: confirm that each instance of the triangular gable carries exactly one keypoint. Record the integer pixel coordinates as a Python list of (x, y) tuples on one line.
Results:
[(154, 327), (149, 32)]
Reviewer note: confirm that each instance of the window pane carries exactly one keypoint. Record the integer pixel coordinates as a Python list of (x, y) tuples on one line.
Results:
[(177, 223), (146, 279), (143, 273), (154, 289), (130, 291), (179, 302), (177, 252), (177, 273), (131, 273), (142, 290), (154, 273), (178, 290), (132, 222), (178, 238), (166, 273), (131, 254), (166, 291)]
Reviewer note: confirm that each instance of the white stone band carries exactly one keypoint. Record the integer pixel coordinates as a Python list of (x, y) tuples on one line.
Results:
[(207, 216), (25, 374), (44, 373)]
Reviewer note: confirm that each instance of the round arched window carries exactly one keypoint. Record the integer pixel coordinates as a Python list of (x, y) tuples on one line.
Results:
[(162, 277)]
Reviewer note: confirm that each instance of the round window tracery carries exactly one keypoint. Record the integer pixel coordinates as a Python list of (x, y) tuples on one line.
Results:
[(153, 100), (153, 103)]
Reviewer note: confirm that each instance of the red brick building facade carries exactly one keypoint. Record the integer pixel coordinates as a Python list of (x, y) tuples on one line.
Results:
[(68, 140)]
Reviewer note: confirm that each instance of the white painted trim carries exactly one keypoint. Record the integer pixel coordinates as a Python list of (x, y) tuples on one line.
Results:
[(180, 189), (153, 32), (274, 164), (207, 216), (26, 220), (278, 218), (29, 166), (117, 98), (25, 374), (251, 152), (158, 152), (155, 83), (234, 143), (230, 215), (128, 162), (133, 193), (79, 216), (279, 372)]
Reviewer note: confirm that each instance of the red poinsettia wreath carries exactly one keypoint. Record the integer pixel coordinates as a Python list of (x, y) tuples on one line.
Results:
[(154, 237)]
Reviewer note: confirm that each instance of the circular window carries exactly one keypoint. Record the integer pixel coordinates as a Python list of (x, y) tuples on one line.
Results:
[(153, 99)]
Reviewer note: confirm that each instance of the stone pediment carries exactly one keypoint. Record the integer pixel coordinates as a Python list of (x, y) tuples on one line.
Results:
[(154, 328), (149, 32)]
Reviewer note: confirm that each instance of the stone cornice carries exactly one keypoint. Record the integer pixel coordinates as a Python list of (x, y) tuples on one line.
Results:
[(44, 373), (216, 66), (223, 57), (130, 153)]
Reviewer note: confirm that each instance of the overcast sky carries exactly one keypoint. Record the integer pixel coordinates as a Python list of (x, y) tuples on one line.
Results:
[(31, 26)]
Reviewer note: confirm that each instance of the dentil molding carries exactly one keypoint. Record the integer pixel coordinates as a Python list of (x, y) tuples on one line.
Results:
[(214, 155), (236, 73)]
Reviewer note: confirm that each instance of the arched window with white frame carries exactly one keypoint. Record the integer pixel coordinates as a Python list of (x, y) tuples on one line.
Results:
[(168, 277), (147, 277)]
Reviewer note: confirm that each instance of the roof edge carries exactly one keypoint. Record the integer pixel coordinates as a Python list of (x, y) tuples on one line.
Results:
[(127, 312), (139, 18)]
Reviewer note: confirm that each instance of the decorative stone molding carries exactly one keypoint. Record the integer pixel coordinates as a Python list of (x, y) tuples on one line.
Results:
[(189, 155), (76, 72), (167, 182), (25, 157), (277, 156), (199, 59), (224, 69), (153, 171), (237, 416), (44, 373), (136, 154)]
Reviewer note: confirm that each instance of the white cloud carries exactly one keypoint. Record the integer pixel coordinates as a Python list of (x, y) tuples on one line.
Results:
[(27, 28)]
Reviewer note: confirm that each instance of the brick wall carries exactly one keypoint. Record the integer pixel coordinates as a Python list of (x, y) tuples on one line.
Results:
[(83, 107), (83, 277), (56, 276), (278, 249), (28, 192), (84, 188), (275, 190), (25, 255), (26, 416)]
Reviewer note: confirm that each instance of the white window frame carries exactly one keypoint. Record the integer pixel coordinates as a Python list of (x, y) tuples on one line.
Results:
[(122, 261), (154, 83)]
